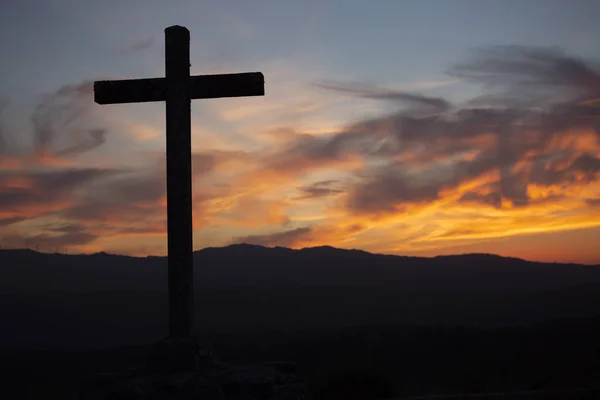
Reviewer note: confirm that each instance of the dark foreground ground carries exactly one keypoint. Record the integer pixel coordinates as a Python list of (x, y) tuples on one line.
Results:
[(366, 363)]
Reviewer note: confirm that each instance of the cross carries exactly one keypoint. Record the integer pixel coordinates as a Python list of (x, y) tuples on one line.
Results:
[(177, 88)]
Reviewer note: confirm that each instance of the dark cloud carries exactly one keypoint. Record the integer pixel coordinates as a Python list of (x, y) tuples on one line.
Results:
[(314, 192), (31, 194), (58, 117), (372, 92), (513, 186), (286, 238), (308, 151), (66, 180), (137, 47), (131, 196), (11, 220), (457, 232), (326, 182), (593, 202), (429, 144), (93, 139), (21, 191), (137, 195), (203, 163), (114, 213), (145, 186), (66, 228), (493, 199), (587, 164), (49, 242), (529, 70), (356, 228), (548, 171), (206, 162), (318, 189), (113, 202), (389, 189)]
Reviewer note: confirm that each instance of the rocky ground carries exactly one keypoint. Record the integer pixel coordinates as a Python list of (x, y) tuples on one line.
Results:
[(186, 369)]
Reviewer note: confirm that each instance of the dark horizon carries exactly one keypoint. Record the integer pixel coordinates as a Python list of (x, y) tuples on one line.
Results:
[(234, 245)]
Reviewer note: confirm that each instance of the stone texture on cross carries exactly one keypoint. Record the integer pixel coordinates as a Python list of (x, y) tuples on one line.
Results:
[(177, 88)]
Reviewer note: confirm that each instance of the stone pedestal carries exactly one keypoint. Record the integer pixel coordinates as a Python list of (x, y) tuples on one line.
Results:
[(186, 369)]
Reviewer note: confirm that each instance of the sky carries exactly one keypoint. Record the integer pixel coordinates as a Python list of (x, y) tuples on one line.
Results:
[(398, 127)]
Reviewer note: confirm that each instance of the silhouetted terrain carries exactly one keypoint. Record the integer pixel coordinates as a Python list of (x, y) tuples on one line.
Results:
[(58, 301), (249, 265), (371, 362), (353, 321)]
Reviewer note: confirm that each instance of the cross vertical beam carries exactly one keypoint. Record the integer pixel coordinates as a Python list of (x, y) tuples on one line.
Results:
[(179, 181)]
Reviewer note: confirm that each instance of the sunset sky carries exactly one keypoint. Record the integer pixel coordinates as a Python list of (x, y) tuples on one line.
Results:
[(394, 126)]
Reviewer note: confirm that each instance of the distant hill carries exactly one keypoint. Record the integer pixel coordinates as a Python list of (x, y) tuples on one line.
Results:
[(60, 301), (249, 265)]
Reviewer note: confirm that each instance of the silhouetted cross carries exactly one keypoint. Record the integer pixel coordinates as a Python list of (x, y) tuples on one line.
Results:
[(177, 89)]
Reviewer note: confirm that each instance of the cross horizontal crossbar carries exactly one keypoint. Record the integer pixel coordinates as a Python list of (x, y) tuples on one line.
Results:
[(199, 87)]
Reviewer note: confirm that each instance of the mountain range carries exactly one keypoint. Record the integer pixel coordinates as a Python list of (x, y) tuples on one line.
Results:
[(51, 301)]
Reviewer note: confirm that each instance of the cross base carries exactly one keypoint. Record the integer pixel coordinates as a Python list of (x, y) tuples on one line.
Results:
[(186, 369), (172, 355)]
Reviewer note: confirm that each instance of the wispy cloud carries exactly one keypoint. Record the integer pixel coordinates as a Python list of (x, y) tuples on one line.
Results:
[(318, 190), (60, 120), (136, 47)]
